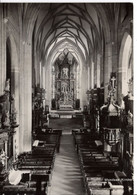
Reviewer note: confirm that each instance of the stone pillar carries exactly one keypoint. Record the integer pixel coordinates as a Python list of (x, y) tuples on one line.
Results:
[(41, 75), (14, 147), (84, 86), (98, 70), (37, 69), (43, 83), (102, 70), (43, 72), (114, 56), (6, 149), (92, 75), (48, 86), (107, 68), (88, 77), (2, 50), (95, 70), (26, 97), (15, 93), (122, 83)]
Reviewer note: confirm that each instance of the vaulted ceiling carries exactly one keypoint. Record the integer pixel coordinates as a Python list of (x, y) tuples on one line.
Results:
[(75, 24), (82, 28)]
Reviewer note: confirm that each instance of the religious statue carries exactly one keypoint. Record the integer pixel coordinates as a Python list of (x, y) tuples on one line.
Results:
[(2, 157), (7, 86), (65, 97), (72, 76), (14, 119), (130, 119), (65, 73), (6, 119), (128, 101)]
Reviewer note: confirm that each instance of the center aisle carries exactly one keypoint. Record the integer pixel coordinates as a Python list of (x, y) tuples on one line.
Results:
[(67, 177)]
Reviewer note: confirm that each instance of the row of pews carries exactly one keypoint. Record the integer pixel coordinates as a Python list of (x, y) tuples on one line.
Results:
[(33, 170), (101, 173)]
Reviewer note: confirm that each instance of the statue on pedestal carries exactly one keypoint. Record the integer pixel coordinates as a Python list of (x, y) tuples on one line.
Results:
[(2, 157), (7, 86), (128, 101), (6, 119)]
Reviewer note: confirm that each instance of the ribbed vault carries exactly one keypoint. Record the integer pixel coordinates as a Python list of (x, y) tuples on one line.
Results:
[(79, 23)]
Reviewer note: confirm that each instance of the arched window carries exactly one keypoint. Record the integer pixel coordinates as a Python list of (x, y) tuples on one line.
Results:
[(126, 64)]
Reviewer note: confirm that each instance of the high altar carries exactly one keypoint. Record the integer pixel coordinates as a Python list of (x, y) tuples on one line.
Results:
[(65, 73)]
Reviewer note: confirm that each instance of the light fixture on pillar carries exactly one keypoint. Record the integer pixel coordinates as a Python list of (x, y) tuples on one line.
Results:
[(5, 20)]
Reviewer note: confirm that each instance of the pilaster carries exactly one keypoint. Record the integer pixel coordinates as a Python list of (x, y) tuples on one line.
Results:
[(26, 98), (107, 68), (2, 50)]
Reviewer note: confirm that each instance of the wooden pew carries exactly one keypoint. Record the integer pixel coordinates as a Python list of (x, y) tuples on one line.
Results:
[(92, 162), (40, 163)]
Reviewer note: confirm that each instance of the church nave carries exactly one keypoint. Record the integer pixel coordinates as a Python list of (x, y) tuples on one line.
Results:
[(66, 98), (67, 178)]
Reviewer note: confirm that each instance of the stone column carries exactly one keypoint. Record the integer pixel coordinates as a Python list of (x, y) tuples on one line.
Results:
[(40, 75), (15, 93), (37, 68), (101, 70), (107, 68), (95, 70), (43, 72), (114, 56), (84, 86), (88, 77), (122, 83), (98, 70), (3, 23), (48, 81), (92, 75), (26, 97), (6, 149)]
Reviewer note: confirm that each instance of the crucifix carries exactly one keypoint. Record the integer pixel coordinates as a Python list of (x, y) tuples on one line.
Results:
[(113, 79)]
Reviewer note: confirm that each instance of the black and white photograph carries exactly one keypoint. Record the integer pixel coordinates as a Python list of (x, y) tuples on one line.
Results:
[(67, 98)]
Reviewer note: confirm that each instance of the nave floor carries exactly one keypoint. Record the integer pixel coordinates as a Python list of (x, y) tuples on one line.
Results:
[(67, 177)]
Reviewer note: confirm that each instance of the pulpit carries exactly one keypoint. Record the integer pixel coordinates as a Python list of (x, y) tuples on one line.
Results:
[(110, 125), (110, 121), (111, 135)]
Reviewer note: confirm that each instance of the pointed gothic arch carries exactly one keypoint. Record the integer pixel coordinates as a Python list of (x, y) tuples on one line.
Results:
[(125, 63)]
